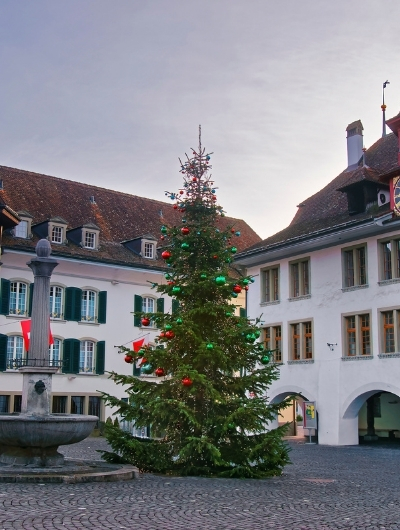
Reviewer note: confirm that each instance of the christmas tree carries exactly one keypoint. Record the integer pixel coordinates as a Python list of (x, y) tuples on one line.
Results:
[(208, 410)]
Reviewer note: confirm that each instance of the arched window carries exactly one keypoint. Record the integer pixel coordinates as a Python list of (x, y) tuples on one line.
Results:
[(87, 358), (15, 352), (56, 301), (148, 305)]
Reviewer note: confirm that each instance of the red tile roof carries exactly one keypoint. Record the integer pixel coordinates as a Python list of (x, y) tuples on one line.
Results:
[(328, 208), (119, 216)]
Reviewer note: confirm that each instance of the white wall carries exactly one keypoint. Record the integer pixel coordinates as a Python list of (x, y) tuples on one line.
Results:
[(334, 384)]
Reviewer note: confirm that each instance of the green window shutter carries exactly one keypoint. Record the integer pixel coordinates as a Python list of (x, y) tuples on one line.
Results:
[(102, 313), (136, 371), (100, 357), (175, 305), (73, 304), (243, 312), (137, 308), (71, 356), (3, 352), (160, 305), (31, 287), (5, 297)]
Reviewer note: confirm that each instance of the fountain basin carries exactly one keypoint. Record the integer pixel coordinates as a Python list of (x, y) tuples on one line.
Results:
[(27, 439)]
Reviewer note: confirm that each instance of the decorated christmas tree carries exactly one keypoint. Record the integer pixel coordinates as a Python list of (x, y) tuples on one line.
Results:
[(207, 408)]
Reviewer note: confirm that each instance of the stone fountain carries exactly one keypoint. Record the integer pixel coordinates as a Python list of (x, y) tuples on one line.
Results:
[(31, 438)]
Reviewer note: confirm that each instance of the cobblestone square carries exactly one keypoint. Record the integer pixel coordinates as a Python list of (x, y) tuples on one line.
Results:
[(325, 488)]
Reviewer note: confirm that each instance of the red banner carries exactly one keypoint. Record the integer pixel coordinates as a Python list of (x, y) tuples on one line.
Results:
[(26, 333)]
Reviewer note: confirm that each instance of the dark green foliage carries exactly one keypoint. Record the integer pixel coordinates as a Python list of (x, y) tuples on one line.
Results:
[(216, 425)]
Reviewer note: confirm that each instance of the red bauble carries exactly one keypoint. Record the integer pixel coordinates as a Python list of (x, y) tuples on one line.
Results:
[(166, 254), (171, 283), (159, 372), (185, 230), (232, 230), (162, 238), (145, 321), (162, 335), (246, 288), (175, 207), (143, 361), (186, 381), (215, 256), (214, 198), (128, 359), (194, 179), (181, 192), (237, 289), (169, 335)]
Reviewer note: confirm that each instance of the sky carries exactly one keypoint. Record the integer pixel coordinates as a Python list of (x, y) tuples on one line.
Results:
[(111, 93)]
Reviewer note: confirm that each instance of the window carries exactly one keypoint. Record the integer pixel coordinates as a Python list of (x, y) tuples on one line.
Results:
[(90, 240), (148, 250), (354, 267), (301, 341), (18, 298), (57, 234), (88, 306), (21, 230), (148, 305), (300, 278), (357, 335), (56, 302), (77, 404), (390, 259), (4, 404), (54, 353), (59, 404), (390, 327), (273, 342), (87, 357), (271, 285), (15, 352), (17, 403)]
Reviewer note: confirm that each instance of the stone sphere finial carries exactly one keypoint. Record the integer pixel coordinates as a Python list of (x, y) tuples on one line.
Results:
[(43, 249)]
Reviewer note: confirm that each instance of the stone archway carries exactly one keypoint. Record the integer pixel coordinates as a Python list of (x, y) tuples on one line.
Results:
[(292, 414), (371, 414)]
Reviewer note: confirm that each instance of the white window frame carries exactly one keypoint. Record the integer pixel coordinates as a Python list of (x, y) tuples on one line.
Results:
[(57, 234), (21, 305), (15, 351), (89, 304), (55, 352), (303, 267), (302, 347), (90, 239), (87, 356), (389, 269), (148, 250), (56, 303), (21, 229)]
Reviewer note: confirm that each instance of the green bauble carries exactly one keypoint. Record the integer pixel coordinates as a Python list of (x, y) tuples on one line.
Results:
[(234, 295), (228, 260), (220, 280), (264, 359), (179, 321), (210, 346), (142, 351), (164, 230), (228, 314), (203, 276), (147, 369), (245, 281), (185, 246), (233, 250), (168, 327), (231, 425), (257, 333), (260, 347), (176, 289)]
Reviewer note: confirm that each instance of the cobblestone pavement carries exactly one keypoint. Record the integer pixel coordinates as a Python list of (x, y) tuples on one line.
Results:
[(326, 488)]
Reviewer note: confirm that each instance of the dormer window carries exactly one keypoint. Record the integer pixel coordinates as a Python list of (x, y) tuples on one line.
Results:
[(57, 234), (90, 240), (23, 229)]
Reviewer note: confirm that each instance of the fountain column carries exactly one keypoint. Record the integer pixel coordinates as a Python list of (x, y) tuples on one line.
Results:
[(37, 378)]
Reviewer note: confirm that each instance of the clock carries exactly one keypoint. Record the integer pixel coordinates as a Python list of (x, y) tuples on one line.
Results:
[(396, 195)]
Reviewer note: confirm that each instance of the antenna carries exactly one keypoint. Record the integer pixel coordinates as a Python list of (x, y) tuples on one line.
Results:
[(383, 107)]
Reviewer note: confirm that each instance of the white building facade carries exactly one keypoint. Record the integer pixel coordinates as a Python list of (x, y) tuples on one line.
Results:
[(328, 290)]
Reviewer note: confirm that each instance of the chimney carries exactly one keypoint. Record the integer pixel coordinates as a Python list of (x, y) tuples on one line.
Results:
[(354, 144)]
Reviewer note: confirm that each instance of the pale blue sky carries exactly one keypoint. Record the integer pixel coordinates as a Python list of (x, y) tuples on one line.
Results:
[(111, 92)]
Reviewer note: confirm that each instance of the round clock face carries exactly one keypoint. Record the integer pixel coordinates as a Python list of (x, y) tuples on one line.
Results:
[(396, 197)]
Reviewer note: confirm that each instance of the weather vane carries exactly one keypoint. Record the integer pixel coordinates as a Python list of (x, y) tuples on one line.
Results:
[(383, 107)]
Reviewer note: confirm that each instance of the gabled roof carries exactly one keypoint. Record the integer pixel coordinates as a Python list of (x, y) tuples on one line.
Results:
[(119, 216), (328, 208)]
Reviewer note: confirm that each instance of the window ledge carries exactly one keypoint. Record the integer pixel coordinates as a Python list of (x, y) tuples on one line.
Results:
[(358, 358), (90, 374), (301, 361), (389, 282), (302, 297), (84, 322), (354, 288), (18, 316), (60, 320), (274, 302), (388, 355)]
